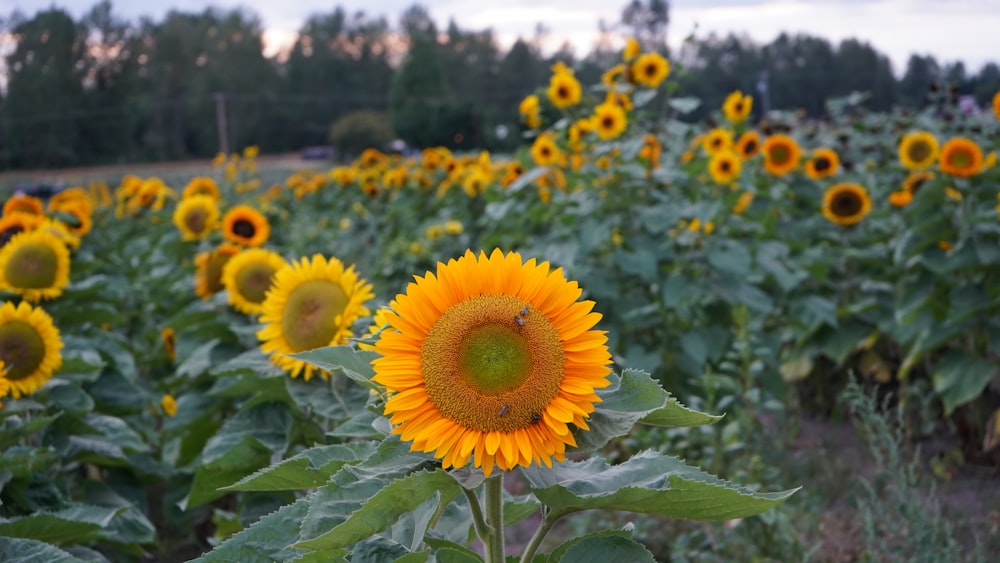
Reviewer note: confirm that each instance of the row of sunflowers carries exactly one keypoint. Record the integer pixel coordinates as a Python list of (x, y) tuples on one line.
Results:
[(230, 354)]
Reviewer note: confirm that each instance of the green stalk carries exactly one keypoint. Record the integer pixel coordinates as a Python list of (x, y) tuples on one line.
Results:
[(482, 530), (548, 520), (493, 492)]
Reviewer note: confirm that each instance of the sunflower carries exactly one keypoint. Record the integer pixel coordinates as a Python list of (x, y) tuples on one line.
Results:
[(74, 194), (650, 69), (245, 225), (22, 203), (609, 121), (169, 405), (313, 304), (823, 164), (846, 204), (493, 358), (35, 265), (632, 49), (196, 217), (902, 198), (781, 154), (743, 203), (996, 104), (29, 347), (531, 113), (208, 276), (169, 342), (961, 156), (915, 180), (248, 276), (564, 89), (544, 150), (718, 140), (201, 185), (918, 150), (78, 213), (724, 167), (748, 145), (11, 225), (737, 107)]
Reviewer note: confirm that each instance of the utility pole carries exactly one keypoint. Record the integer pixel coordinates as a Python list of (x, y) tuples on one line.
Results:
[(220, 122)]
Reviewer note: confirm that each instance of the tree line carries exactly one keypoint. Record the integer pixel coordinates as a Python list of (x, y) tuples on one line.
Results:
[(103, 89)]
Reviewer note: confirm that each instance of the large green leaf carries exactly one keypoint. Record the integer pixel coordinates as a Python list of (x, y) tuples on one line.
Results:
[(306, 470), (601, 548), (649, 483), (631, 398), (77, 524), (384, 508), (355, 364), (244, 457), (266, 540), (19, 550), (960, 378)]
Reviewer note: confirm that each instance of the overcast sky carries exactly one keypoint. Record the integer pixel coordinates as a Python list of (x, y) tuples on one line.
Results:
[(951, 30)]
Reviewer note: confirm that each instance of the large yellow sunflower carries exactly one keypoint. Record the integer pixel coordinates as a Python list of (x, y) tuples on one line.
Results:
[(21, 203), (718, 140), (544, 150), (493, 358), (196, 217), (34, 264), (961, 156), (248, 276), (846, 204), (11, 225), (245, 225), (649, 70), (823, 164), (201, 185), (737, 106), (208, 276), (564, 90), (724, 167), (29, 347), (312, 304), (609, 121), (918, 150), (781, 154)]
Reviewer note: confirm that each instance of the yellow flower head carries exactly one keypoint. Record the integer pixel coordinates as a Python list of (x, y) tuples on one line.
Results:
[(650, 70), (30, 347), (544, 150), (564, 90), (918, 150), (846, 204), (35, 264), (609, 120), (169, 405), (632, 49), (737, 106)]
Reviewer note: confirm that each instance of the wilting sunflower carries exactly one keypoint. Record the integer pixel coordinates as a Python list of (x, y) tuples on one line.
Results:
[(918, 150), (17, 223), (22, 203), (493, 358), (609, 121), (29, 347), (823, 164), (781, 154), (35, 265), (196, 217), (915, 180), (724, 167), (564, 90), (737, 106), (961, 156), (208, 276), (77, 217), (544, 150), (748, 145), (649, 70), (248, 276), (718, 140), (201, 185), (245, 225), (313, 304), (846, 204)]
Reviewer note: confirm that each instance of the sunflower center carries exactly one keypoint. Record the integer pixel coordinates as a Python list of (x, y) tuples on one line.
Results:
[(650, 70), (919, 151), (310, 316), (725, 166), (32, 266), (750, 147), (492, 363), (244, 228), (9, 233), (780, 155), (821, 164), (960, 158), (21, 349), (846, 204), (253, 281), (562, 92), (195, 220), (608, 122), (738, 107)]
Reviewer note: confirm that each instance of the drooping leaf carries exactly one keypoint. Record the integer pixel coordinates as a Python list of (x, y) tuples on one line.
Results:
[(76, 524), (20, 550), (355, 364), (308, 469), (960, 378)]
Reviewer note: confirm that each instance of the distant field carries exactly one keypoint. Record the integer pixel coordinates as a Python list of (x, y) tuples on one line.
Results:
[(272, 168)]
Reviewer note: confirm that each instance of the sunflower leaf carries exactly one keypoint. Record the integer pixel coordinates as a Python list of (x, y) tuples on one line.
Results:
[(386, 507), (265, 540), (76, 524), (19, 550), (648, 483), (611, 545), (307, 470), (355, 364)]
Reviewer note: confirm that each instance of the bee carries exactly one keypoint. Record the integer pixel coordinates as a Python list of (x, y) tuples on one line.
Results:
[(519, 321), (536, 418), (503, 410), (524, 312)]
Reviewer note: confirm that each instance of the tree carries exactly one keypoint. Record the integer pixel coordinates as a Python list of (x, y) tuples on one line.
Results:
[(648, 22)]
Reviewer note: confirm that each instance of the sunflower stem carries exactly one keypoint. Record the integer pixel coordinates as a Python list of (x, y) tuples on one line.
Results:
[(493, 491), (482, 530), (549, 519)]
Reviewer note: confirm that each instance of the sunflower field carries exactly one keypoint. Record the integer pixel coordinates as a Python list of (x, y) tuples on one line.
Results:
[(464, 357)]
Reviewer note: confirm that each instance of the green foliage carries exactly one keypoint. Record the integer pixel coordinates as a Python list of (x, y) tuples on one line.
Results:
[(360, 130)]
